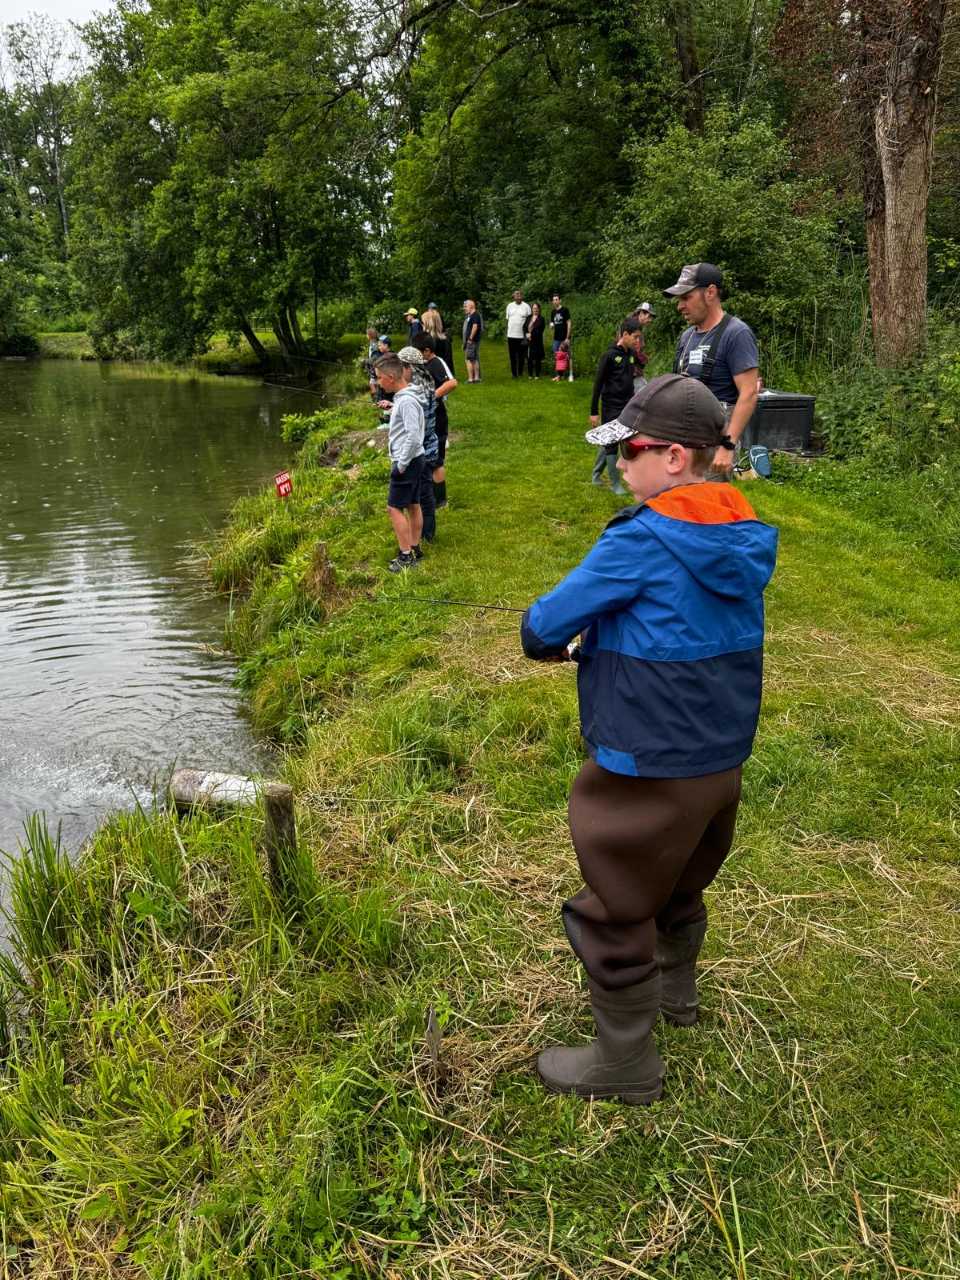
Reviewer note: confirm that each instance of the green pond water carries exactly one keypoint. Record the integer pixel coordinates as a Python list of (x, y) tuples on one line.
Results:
[(110, 656)]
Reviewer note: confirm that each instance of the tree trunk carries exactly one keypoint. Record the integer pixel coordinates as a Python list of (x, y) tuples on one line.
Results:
[(680, 14), (897, 170), (256, 346), (294, 322), (279, 337), (282, 333), (61, 200), (749, 55)]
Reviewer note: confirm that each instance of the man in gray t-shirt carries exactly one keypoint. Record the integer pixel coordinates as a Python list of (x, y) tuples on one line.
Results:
[(718, 349)]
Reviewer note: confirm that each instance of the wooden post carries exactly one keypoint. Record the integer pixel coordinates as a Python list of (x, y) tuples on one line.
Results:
[(207, 789), (280, 830)]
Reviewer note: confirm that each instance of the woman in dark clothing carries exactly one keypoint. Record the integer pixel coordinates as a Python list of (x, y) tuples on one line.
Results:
[(534, 332)]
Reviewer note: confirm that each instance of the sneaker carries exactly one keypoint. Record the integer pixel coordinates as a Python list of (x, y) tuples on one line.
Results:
[(403, 560), (558, 378), (417, 551), (760, 461)]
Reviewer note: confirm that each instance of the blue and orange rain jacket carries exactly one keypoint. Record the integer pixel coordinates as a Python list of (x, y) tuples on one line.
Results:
[(669, 605)]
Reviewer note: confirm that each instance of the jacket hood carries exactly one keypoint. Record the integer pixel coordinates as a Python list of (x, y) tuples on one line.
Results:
[(712, 530)]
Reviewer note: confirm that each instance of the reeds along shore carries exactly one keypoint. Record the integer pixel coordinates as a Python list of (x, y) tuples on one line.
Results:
[(204, 1077)]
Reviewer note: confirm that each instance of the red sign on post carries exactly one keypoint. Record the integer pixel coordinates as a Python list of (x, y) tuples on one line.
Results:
[(284, 484)]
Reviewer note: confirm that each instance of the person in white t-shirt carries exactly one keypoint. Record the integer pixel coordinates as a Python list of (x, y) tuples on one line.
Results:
[(518, 313)]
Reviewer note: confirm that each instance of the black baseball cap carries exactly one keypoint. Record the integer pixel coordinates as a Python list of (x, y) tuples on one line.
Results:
[(672, 407), (696, 275)]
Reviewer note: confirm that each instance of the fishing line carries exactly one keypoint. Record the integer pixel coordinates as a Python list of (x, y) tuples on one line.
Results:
[(464, 604)]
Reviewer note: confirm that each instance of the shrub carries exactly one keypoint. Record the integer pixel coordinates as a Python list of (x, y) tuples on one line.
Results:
[(333, 320), (19, 344), (910, 415), (730, 197), (327, 423)]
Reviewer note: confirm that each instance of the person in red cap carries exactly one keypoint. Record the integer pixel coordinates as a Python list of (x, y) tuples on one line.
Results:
[(669, 608), (717, 348)]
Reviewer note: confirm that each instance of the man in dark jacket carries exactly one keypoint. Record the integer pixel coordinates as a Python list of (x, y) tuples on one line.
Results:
[(612, 388), (669, 606)]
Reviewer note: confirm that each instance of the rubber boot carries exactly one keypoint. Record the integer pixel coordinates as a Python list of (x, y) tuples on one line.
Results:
[(622, 1062), (676, 954)]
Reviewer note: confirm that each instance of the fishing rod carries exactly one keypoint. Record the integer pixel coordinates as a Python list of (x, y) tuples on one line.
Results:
[(463, 604), (570, 654), (283, 386)]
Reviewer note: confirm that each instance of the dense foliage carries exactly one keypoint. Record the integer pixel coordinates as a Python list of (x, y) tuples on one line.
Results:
[(730, 196), (37, 97), (509, 179), (212, 1073), (249, 179)]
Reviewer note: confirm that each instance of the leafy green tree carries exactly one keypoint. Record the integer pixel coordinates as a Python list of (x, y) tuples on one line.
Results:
[(729, 196), (225, 169), (514, 162), (42, 57), (37, 94), (515, 159), (17, 248), (866, 76)]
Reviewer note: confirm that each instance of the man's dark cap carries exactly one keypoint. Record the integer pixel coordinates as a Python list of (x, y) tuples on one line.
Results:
[(671, 408), (696, 275)]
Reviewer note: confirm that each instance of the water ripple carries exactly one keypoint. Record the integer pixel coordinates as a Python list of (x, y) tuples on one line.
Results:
[(104, 637)]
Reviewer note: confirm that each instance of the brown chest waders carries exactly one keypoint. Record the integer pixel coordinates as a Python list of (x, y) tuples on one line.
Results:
[(647, 849)]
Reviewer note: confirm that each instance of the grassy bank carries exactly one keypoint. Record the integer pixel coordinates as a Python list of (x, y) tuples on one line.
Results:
[(66, 346), (206, 1076), (222, 357)]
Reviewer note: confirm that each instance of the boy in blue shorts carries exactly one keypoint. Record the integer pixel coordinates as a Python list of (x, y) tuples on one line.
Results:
[(405, 446)]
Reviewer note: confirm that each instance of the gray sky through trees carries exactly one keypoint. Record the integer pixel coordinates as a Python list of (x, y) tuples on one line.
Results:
[(62, 10)]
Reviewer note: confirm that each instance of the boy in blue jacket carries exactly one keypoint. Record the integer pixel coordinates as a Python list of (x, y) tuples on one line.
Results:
[(669, 606)]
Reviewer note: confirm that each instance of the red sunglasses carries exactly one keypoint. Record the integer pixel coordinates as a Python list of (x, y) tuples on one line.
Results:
[(630, 449)]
